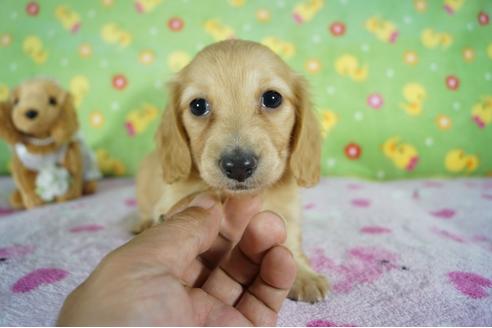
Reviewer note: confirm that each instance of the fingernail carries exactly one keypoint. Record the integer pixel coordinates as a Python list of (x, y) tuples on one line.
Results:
[(204, 201)]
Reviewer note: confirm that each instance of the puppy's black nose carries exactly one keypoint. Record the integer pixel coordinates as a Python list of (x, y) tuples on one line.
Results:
[(31, 114), (238, 164)]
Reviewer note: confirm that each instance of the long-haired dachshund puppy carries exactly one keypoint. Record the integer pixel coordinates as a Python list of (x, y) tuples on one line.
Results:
[(239, 121)]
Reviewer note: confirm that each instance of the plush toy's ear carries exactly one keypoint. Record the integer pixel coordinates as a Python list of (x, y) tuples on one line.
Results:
[(171, 139), (305, 154), (8, 132), (67, 123)]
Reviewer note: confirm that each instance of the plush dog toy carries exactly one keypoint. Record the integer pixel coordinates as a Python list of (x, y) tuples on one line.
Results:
[(50, 161)]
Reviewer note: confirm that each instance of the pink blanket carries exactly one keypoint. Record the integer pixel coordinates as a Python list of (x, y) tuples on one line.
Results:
[(399, 253)]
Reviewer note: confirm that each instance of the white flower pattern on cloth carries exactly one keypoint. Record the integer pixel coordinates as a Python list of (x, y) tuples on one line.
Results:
[(52, 181)]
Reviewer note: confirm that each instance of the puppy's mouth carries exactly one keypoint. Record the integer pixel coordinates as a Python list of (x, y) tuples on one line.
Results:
[(240, 187), (31, 129), (34, 136)]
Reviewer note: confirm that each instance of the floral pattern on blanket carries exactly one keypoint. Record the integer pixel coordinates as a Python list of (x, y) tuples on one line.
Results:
[(397, 253)]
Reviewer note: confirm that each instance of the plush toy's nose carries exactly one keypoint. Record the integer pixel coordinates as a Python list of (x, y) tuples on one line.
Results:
[(31, 114), (238, 164)]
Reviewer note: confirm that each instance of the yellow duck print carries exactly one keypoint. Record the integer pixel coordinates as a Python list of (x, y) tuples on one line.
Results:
[(146, 6), (328, 121), (138, 120), (4, 92), (79, 87), (306, 10), (348, 65), (282, 48), (177, 60), (458, 161), (452, 6), (482, 112), (69, 18), (414, 95), (432, 39), (237, 3), (218, 30), (113, 33), (5, 40), (34, 48), (107, 3), (97, 119), (109, 165), (403, 155), (420, 5), (384, 30)]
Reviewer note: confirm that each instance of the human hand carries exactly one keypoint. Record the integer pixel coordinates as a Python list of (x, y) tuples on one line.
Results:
[(207, 265)]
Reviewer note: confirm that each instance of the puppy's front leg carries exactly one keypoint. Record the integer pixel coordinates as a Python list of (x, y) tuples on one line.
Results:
[(309, 286), (173, 198), (26, 183), (73, 163), (162, 210)]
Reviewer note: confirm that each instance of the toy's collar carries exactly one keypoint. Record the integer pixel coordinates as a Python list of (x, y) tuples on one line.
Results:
[(40, 142)]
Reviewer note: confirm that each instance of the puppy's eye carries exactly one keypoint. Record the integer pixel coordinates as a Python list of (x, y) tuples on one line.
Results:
[(199, 107), (53, 101), (16, 101), (271, 99)]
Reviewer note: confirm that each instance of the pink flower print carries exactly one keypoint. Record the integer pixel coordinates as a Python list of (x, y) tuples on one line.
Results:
[(375, 230), (448, 235), (360, 265), (15, 251), (445, 213), (375, 101), (37, 278), (86, 228), (361, 202), (470, 284)]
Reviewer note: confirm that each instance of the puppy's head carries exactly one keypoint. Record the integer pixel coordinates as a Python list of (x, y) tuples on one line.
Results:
[(241, 118), (41, 109)]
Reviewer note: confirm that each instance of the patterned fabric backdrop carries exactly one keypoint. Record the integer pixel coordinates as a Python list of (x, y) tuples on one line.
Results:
[(402, 88)]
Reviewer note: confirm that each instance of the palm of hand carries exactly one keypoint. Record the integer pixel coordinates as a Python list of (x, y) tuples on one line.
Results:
[(241, 277)]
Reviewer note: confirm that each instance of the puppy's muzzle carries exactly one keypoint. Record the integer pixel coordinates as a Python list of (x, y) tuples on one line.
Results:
[(238, 165)]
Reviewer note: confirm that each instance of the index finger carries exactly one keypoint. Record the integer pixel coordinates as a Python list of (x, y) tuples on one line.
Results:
[(176, 242), (238, 212)]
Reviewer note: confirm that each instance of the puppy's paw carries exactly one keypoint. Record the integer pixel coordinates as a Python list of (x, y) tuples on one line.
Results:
[(15, 200), (32, 201), (89, 188), (309, 286), (141, 226), (64, 198), (75, 192)]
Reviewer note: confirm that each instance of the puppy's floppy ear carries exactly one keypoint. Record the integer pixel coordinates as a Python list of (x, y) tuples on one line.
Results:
[(171, 139), (8, 131), (14, 96), (305, 154), (67, 123)]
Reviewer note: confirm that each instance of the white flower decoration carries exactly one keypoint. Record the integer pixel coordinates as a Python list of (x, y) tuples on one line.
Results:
[(52, 181)]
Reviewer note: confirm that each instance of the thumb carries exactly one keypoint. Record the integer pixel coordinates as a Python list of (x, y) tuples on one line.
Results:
[(186, 234)]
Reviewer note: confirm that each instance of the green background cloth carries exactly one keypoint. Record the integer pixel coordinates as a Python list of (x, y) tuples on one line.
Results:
[(402, 88)]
